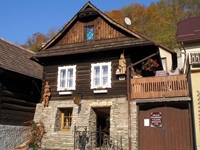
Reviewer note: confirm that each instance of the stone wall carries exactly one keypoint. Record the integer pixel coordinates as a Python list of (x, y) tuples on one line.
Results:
[(11, 136), (84, 116)]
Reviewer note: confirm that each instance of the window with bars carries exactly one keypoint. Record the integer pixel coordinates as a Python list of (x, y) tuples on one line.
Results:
[(66, 119), (89, 33), (66, 78), (101, 75)]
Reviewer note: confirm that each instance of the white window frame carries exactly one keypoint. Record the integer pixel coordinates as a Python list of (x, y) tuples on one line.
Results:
[(101, 75), (59, 88)]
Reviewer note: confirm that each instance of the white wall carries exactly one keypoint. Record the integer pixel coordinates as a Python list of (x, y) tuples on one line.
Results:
[(168, 56)]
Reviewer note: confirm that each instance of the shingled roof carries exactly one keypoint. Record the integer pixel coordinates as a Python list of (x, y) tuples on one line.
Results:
[(17, 59), (189, 30)]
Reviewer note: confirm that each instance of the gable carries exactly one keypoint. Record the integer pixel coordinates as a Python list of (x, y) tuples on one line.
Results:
[(102, 30), (108, 35), (105, 27)]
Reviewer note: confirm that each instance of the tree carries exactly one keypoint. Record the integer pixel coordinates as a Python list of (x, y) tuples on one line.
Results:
[(52, 33), (158, 21), (35, 42)]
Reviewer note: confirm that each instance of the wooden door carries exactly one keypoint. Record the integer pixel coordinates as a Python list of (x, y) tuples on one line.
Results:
[(165, 126)]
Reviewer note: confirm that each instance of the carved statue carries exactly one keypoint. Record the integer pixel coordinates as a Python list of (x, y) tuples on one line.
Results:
[(46, 95), (122, 64)]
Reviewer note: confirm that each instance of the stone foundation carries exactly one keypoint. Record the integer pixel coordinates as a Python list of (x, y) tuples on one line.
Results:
[(84, 115), (11, 136)]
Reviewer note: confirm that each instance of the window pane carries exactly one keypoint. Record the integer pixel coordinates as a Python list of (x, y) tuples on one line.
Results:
[(97, 75), (70, 78), (62, 78), (89, 33), (105, 80), (97, 71), (105, 74), (66, 119), (97, 81), (70, 83), (105, 70), (70, 73), (164, 64)]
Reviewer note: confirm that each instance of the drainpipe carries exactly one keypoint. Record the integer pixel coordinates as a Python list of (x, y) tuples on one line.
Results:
[(129, 96), (185, 58)]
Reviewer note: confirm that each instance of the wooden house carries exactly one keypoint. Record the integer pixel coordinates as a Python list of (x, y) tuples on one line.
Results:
[(90, 68), (188, 36), (20, 84)]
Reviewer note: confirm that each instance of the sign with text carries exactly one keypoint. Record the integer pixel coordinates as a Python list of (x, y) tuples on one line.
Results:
[(156, 119)]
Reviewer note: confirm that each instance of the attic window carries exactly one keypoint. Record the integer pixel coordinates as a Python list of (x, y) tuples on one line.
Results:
[(89, 33)]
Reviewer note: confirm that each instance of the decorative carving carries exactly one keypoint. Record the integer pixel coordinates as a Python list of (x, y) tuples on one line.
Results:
[(77, 100), (78, 95), (46, 95), (122, 65)]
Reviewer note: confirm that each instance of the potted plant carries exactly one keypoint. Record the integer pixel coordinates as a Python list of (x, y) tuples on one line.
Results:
[(138, 73), (149, 67)]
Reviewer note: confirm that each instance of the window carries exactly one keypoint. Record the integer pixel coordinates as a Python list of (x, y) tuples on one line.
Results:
[(66, 118), (164, 63), (101, 75), (66, 78), (89, 33)]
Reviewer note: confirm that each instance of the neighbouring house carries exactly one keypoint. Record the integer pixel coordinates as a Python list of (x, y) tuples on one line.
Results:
[(188, 36), (94, 97), (20, 84)]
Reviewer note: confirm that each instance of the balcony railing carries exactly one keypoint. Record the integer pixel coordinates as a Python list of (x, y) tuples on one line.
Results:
[(162, 86)]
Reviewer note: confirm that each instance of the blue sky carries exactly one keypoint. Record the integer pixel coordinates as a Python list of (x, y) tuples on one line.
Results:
[(22, 18)]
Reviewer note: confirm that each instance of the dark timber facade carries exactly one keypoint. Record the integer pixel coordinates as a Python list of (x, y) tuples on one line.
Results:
[(20, 91), (85, 65)]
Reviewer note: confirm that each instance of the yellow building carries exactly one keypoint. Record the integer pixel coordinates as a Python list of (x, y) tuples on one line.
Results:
[(189, 37)]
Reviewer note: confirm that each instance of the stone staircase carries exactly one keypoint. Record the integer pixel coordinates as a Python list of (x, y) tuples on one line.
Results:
[(59, 140)]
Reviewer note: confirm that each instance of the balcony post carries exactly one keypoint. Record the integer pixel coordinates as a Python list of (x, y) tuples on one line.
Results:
[(129, 97)]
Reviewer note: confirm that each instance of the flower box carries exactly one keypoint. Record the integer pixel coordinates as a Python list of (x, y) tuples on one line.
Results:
[(65, 93), (100, 91)]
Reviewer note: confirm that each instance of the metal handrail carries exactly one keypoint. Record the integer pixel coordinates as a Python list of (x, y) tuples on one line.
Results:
[(84, 139)]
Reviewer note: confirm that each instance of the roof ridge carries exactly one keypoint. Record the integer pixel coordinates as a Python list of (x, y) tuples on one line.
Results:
[(194, 17), (17, 46), (133, 33)]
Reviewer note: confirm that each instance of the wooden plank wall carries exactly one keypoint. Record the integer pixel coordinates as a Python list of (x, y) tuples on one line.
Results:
[(1, 90), (102, 30), (19, 96), (83, 74)]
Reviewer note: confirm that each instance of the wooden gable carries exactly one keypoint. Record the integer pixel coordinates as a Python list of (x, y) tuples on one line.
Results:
[(104, 28)]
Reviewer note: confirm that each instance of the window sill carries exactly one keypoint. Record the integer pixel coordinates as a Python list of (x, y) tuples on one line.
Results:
[(100, 91), (65, 93)]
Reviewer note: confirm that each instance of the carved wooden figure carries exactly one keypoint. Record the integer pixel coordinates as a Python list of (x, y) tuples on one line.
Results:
[(122, 64), (46, 95)]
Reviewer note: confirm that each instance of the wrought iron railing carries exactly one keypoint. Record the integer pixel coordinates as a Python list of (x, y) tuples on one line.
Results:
[(99, 140)]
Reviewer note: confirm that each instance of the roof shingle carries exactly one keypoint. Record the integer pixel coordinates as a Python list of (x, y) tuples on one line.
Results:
[(17, 59)]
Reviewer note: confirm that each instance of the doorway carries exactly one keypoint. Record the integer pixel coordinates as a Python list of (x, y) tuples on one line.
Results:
[(165, 126), (103, 124)]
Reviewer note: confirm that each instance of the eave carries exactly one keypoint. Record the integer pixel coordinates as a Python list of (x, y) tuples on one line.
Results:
[(93, 46)]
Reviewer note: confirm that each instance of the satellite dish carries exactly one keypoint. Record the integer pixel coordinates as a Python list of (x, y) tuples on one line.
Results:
[(127, 21)]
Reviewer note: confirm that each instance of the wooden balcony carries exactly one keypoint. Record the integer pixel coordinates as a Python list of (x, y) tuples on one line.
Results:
[(162, 86)]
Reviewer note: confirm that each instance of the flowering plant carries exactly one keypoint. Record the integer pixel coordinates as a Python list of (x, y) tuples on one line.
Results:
[(150, 65)]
